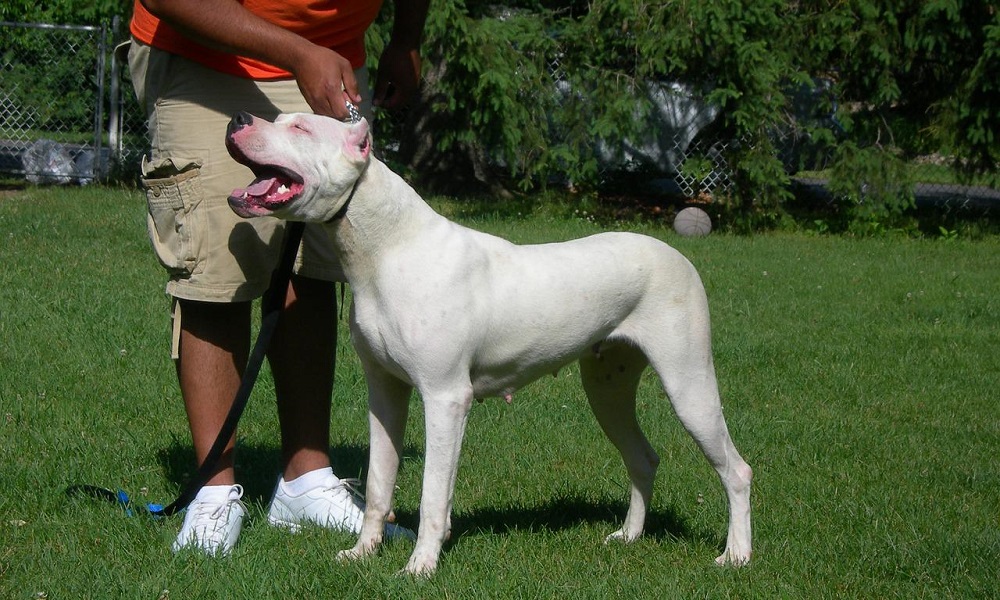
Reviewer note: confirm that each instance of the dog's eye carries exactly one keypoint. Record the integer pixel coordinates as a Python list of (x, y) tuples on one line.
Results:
[(299, 127)]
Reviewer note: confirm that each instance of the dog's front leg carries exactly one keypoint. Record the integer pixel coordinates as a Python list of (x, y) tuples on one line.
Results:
[(445, 415), (388, 406)]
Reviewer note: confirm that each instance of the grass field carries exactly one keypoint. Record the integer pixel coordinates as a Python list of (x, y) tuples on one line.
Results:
[(860, 379)]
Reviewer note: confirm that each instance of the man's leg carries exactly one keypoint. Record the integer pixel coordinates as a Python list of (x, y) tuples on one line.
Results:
[(211, 354), (302, 357), (214, 347)]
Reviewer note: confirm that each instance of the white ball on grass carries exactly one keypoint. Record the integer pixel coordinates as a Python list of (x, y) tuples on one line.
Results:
[(693, 222)]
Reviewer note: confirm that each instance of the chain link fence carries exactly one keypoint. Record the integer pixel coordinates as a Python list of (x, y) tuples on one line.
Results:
[(51, 108), (67, 114)]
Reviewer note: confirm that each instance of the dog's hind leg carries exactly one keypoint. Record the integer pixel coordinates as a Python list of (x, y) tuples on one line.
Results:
[(684, 364), (610, 379)]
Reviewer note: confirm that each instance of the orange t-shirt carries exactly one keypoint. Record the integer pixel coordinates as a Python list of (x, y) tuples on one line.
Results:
[(336, 24)]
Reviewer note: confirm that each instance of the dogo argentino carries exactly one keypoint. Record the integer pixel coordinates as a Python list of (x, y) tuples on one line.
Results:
[(460, 315)]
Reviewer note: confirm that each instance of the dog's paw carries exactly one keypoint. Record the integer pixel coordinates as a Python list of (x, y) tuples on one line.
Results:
[(349, 555), (622, 536), (614, 537), (733, 558), (421, 573), (358, 552), (420, 566)]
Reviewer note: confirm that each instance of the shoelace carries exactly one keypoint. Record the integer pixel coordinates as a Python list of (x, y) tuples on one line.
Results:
[(217, 512), (222, 509), (351, 486)]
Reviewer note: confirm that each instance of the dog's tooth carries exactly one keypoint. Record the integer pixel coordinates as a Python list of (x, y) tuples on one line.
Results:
[(282, 189)]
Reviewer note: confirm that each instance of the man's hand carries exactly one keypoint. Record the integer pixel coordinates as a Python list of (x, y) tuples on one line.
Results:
[(327, 82), (398, 76)]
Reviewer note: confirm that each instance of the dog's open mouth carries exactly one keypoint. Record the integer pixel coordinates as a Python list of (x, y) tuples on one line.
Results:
[(272, 188)]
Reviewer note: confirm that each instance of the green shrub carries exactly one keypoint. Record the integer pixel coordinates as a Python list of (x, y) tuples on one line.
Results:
[(904, 79)]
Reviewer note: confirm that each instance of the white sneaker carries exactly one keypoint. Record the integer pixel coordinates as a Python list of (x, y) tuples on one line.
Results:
[(213, 520), (334, 504)]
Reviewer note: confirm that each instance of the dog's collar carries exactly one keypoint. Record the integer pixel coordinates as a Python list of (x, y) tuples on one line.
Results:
[(343, 207)]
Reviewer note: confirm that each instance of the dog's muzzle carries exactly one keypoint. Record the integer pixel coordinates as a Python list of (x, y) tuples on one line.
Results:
[(238, 122)]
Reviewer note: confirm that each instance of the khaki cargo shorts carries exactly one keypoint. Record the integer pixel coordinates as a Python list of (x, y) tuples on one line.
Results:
[(209, 252)]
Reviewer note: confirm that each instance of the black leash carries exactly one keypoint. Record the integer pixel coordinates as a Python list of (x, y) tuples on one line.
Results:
[(272, 304)]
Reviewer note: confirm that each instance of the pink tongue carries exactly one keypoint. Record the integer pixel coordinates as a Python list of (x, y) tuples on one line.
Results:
[(261, 187)]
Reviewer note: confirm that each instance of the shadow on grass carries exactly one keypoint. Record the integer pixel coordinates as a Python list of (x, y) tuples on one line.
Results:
[(258, 467), (568, 512)]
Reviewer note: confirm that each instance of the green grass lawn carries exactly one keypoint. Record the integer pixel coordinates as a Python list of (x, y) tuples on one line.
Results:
[(860, 380)]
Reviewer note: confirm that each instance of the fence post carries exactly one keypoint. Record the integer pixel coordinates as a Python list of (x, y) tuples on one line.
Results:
[(102, 48), (114, 99)]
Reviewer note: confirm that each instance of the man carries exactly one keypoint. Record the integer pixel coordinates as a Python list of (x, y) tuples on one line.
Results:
[(194, 63)]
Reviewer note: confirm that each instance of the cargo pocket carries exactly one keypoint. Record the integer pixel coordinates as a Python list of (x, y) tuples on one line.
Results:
[(173, 189)]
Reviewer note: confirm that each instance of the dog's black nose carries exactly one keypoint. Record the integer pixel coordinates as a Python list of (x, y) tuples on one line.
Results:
[(239, 121)]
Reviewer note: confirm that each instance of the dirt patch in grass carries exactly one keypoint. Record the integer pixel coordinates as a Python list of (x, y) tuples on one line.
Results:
[(10, 189)]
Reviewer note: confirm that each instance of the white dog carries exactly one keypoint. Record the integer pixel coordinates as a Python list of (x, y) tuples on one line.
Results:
[(461, 315)]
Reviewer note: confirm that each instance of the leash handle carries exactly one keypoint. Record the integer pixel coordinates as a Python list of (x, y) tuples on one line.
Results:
[(272, 304)]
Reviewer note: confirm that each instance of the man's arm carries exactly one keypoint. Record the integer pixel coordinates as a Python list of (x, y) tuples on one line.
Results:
[(325, 78)]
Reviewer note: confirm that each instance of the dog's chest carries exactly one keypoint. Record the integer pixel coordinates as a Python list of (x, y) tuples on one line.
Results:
[(405, 337), (369, 338)]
